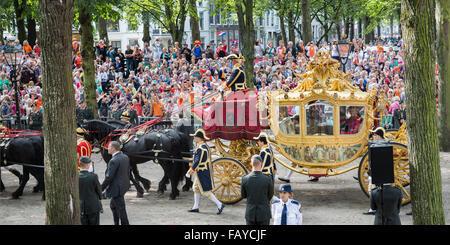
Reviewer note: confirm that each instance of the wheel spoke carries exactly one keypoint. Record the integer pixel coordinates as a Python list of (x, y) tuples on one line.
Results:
[(229, 192), (217, 187), (221, 193), (234, 190)]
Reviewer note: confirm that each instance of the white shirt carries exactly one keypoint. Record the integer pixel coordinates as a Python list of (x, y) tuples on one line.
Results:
[(294, 216)]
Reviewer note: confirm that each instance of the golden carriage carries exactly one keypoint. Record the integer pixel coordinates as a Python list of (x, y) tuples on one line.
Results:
[(322, 126)]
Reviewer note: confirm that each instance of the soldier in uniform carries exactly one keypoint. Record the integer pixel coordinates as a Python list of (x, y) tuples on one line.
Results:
[(285, 210), (83, 114), (203, 183), (236, 82), (266, 154), (83, 148)]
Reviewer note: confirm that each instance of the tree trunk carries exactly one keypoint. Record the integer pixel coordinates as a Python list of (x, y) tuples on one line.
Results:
[(338, 29), (146, 22), (360, 35), (352, 28), (103, 30), (61, 175), (1, 33), (426, 186), (193, 20), (443, 55), (19, 7), (379, 31), (88, 56), (31, 26), (283, 29), (245, 19), (306, 21), (291, 25)]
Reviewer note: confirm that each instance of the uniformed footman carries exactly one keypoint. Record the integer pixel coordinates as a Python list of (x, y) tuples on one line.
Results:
[(285, 210), (266, 154), (201, 168)]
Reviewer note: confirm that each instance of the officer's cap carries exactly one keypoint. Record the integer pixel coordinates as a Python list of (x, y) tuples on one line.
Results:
[(285, 188), (379, 131), (85, 160), (232, 57), (200, 133)]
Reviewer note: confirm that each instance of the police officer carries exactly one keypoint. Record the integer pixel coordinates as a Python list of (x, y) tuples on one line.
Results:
[(236, 82), (202, 169), (285, 210), (83, 114), (266, 154)]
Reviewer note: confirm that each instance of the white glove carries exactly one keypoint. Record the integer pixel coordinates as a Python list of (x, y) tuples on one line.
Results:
[(220, 88), (188, 176)]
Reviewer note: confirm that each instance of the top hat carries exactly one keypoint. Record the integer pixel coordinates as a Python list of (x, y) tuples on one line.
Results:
[(285, 188), (379, 131), (232, 57), (200, 133), (262, 136)]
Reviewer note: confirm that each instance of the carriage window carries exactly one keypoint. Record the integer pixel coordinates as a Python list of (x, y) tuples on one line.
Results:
[(351, 119), (319, 118), (289, 120)]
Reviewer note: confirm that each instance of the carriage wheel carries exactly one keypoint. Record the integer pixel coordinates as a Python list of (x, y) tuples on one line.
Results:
[(240, 149), (227, 174), (401, 171)]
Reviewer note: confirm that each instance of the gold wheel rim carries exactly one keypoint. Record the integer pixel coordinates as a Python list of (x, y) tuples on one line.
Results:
[(227, 175)]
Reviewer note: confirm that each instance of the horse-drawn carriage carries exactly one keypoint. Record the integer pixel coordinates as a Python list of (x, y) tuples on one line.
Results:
[(321, 127)]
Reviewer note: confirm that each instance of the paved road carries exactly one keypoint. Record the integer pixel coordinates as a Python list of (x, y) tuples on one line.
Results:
[(331, 201)]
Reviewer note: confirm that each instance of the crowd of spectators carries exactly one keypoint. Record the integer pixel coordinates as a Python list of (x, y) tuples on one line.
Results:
[(155, 80)]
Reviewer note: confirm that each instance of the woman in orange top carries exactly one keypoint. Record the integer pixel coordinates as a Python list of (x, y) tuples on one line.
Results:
[(26, 47), (158, 107)]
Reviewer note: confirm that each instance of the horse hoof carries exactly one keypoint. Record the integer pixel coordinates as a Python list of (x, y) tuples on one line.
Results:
[(160, 193), (185, 188), (140, 195), (172, 197), (15, 196)]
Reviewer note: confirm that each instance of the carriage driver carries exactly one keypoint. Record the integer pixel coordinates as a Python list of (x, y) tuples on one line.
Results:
[(203, 183), (266, 154), (236, 82)]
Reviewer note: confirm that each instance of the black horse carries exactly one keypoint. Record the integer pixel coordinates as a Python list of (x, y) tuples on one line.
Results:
[(28, 150), (161, 146)]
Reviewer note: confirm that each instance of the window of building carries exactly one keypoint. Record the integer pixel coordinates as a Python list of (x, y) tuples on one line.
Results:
[(116, 44), (201, 20)]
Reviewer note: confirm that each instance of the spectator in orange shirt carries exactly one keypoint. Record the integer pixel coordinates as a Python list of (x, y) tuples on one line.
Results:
[(39, 102), (158, 107), (26, 47)]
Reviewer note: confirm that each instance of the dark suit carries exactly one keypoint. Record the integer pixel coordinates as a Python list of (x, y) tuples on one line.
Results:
[(90, 196), (392, 201), (258, 189), (117, 183)]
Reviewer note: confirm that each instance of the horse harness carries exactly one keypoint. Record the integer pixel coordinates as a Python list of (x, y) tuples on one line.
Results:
[(3, 150)]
